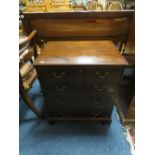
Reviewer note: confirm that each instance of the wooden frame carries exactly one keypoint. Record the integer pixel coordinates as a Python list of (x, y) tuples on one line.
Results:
[(89, 25)]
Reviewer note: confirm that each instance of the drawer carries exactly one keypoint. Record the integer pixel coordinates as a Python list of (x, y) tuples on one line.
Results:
[(65, 100), (105, 73), (61, 87), (79, 100), (61, 112), (65, 87), (110, 87), (79, 73), (101, 101), (59, 73), (97, 73)]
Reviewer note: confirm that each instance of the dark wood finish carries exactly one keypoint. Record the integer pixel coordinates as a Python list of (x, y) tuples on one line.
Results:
[(117, 26), (130, 45), (58, 28), (131, 110), (73, 15), (123, 119), (80, 53), (105, 25), (126, 101), (127, 117), (80, 79), (104, 120), (130, 58)]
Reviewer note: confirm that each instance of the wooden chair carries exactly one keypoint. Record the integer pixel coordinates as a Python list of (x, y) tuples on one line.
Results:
[(27, 73)]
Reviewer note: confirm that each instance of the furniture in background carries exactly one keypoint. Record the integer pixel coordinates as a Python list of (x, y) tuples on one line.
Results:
[(105, 25), (126, 98), (74, 26), (130, 4), (74, 5), (27, 73), (80, 81)]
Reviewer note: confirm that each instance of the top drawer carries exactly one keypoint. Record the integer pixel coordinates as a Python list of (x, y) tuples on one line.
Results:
[(57, 73), (79, 73), (105, 73)]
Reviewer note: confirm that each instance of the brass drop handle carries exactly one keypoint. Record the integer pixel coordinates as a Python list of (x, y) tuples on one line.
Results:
[(99, 101), (100, 88), (61, 101), (60, 88), (59, 76), (96, 114), (102, 75)]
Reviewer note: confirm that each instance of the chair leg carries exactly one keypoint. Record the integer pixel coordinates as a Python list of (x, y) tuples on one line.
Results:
[(30, 104)]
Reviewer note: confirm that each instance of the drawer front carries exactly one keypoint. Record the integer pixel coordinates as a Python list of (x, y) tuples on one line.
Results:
[(60, 112), (105, 73), (60, 101), (51, 87), (59, 73), (103, 100), (65, 100), (79, 100), (60, 87), (65, 87), (110, 87), (79, 73)]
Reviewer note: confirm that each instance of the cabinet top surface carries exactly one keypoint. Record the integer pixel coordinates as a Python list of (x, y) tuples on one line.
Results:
[(80, 53)]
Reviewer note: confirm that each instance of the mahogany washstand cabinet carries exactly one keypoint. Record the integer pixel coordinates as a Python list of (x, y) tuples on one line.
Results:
[(80, 79)]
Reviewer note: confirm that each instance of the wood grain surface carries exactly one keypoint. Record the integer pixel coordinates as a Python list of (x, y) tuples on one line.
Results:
[(81, 27), (80, 53)]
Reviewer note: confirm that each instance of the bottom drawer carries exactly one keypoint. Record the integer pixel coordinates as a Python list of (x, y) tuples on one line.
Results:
[(98, 112)]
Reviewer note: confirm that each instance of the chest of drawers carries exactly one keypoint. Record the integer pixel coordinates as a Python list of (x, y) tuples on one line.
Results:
[(79, 79)]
